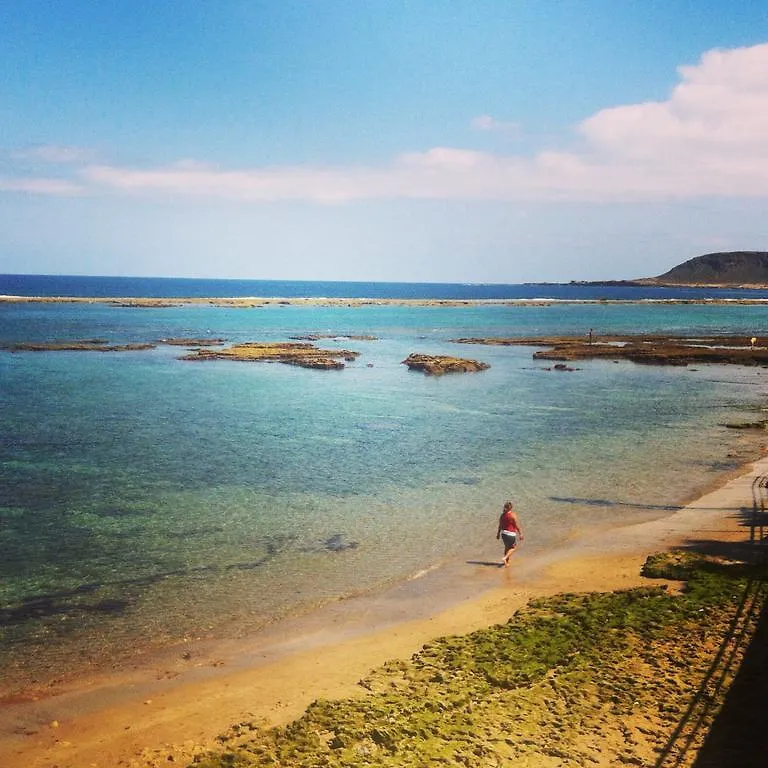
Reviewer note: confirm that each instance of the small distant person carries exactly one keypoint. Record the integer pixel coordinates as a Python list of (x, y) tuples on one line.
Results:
[(590, 335), (753, 341), (509, 531)]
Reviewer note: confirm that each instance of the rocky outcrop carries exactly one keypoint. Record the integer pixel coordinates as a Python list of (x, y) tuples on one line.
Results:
[(291, 353), (652, 349), (722, 268), (435, 365)]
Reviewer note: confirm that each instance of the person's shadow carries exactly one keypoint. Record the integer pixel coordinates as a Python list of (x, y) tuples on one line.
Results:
[(488, 563)]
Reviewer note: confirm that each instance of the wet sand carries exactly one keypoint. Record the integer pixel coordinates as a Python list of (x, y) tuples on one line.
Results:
[(175, 704)]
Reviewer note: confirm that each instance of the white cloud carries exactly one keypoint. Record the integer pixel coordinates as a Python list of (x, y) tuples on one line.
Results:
[(492, 125), (40, 186), (709, 138), (713, 130), (55, 154)]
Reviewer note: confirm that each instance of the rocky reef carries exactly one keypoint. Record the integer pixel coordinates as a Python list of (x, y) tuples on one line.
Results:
[(651, 349), (436, 365), (301, 354), (103, 345), (193, 342), (81, 345), (292, 353), (348, 336)]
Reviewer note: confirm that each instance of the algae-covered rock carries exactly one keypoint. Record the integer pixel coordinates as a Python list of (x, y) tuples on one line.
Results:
[(595, 678), (435, 365), (653, 349), (292, 353)]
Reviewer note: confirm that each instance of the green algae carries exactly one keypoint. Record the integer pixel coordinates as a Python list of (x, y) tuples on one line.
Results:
[(570, 680)]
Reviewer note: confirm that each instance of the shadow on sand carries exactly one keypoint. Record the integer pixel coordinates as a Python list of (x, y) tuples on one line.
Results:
[(487, 563), (613, 503), (738, 735)]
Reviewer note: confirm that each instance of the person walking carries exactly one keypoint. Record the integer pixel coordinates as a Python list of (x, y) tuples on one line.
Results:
[(509, 531)]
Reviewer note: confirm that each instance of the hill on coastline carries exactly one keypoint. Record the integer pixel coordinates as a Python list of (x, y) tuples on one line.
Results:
[(727, 268)]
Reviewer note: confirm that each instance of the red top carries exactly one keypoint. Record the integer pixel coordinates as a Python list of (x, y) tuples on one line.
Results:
[(508, 522)]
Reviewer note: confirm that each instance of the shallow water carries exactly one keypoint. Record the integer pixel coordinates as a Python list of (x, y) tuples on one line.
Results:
[(144, 498)]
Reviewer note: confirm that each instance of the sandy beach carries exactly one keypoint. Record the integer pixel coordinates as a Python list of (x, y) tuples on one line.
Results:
[(175, 704)]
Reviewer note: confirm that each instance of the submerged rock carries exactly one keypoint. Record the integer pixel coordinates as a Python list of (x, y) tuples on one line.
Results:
[(318, 336), (185, 342), (435, 365), (83, 345), (336, 543)]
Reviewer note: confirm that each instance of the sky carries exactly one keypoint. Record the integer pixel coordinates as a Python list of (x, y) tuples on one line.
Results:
[(491, 141)]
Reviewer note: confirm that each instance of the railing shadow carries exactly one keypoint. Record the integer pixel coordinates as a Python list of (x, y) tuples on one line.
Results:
[(738, 734)]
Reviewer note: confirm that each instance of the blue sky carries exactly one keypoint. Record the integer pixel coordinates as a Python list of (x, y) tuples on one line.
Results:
[(439, 140)]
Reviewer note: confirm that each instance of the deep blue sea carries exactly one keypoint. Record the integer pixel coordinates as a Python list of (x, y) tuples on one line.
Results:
[(154, 287), (144, 499)]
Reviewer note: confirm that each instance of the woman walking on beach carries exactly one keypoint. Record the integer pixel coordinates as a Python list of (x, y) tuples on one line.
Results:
[(509, 531)]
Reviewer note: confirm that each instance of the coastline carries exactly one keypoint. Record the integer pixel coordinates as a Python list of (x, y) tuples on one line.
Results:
[(136, 716), (257, 302)]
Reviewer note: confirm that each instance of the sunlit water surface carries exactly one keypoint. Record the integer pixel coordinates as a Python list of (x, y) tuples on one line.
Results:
[(144, 499)]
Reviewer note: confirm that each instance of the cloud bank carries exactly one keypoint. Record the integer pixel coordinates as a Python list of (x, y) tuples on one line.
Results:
[(709, 138)]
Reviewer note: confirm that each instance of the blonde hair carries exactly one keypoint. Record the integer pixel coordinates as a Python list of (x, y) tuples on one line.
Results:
[(507, 506)]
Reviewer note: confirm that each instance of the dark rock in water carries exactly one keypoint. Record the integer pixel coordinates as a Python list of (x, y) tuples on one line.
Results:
[(336, 543), (724, 466), (435, 365), (112, 606), (762, 424), (122, 512), (465, 480)]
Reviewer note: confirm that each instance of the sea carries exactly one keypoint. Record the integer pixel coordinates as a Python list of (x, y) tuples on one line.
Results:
[(145, 499)]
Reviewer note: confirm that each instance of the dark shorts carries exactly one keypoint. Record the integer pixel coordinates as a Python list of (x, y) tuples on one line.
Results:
[(509, 538)]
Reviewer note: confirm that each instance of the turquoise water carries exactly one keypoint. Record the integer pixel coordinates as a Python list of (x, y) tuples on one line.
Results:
[(144, 499)]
